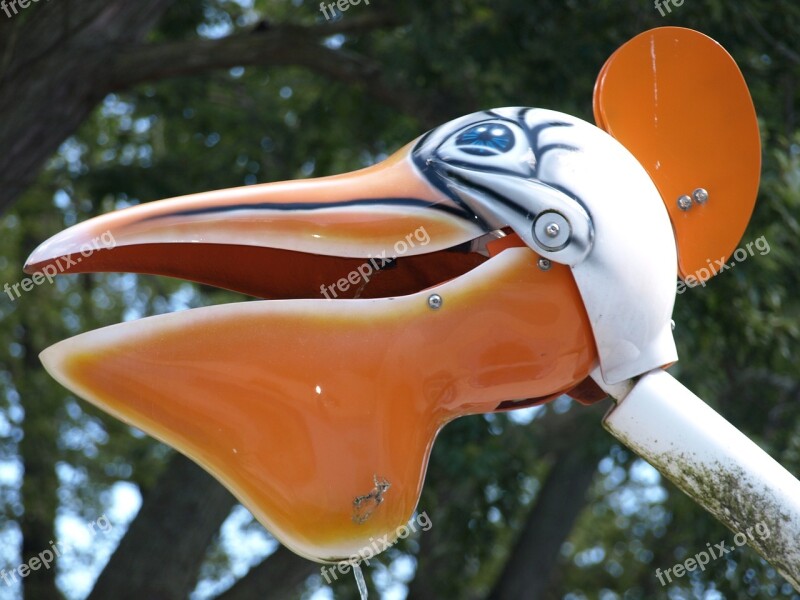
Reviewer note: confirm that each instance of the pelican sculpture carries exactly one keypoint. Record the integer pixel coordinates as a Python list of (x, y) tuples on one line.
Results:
[(498, 261)]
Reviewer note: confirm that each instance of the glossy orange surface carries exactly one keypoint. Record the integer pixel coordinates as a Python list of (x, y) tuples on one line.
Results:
[(259, 240), (677, 100), (352, 215), (299, 407)]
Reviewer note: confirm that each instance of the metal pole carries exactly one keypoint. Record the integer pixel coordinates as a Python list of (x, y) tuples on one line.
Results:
[(714, 463)]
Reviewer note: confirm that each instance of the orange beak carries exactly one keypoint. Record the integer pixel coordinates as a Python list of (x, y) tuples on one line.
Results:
[(319, 412), (281, 240)]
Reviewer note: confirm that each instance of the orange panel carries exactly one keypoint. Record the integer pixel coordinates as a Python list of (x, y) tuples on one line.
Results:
[(676, 99)]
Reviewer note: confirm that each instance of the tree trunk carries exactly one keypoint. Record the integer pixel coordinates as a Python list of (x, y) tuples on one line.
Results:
[(58, 64), (39, 453), (160, 556), (55, 70), (278, 577), (38, 449), (535, 555)]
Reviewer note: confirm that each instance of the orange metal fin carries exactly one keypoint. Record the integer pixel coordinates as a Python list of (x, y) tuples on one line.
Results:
[(677, 100)]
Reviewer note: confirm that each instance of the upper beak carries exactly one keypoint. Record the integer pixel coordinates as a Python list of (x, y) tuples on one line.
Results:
[(280, 240)]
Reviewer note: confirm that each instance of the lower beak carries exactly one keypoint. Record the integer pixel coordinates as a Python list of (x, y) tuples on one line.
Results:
[(319, 416), (279, 240)]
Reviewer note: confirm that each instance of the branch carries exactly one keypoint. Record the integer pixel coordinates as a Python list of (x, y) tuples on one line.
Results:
[(278, 46), (374, 19), (85, 58), (782, 48)]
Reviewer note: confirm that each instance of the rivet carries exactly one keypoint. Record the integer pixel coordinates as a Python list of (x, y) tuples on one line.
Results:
[(700, 195), (435, 301), (552, 230), (545, 264), (685, 202)]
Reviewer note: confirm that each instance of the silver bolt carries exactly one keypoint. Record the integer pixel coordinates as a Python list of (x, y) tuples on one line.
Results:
[(435, 301), (672, 324), (700, 195), (552, 230), (544, 264), (685, 202)]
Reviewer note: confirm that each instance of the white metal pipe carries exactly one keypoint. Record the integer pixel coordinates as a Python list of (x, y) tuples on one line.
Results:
[(714, 463)]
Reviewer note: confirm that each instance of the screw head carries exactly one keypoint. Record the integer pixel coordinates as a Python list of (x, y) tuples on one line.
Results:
[(435, 301), (685, 202), (551, 231), (700, 195), (545, 264)]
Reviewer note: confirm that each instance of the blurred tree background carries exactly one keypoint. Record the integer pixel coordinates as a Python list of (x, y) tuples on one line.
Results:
[(108, 103)]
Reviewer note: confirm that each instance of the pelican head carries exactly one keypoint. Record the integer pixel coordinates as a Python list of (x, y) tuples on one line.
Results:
[(493, 263)]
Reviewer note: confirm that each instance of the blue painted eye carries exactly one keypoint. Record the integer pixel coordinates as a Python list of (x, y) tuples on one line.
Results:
[(486, 139)]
